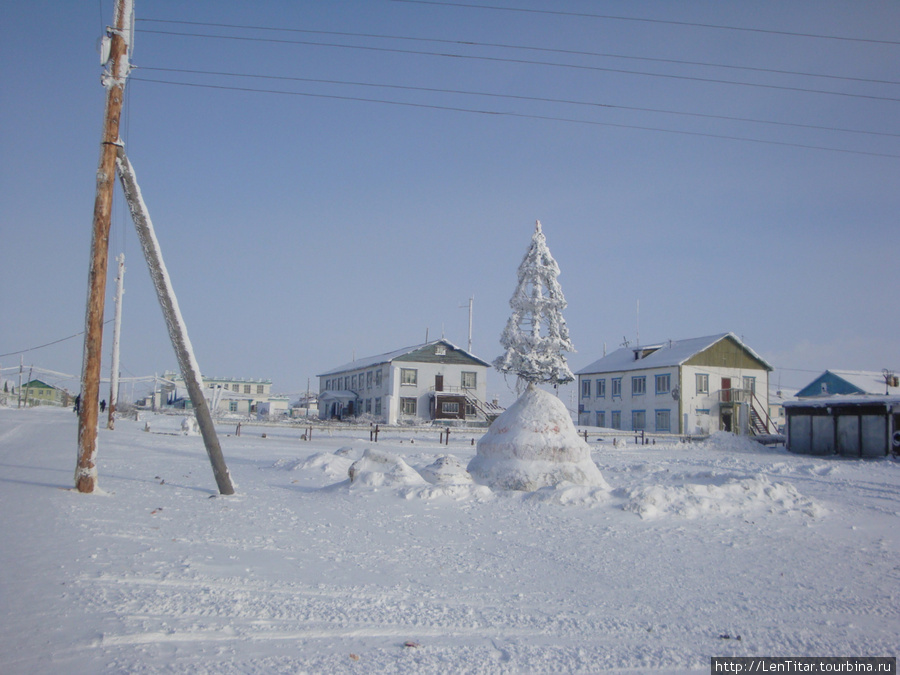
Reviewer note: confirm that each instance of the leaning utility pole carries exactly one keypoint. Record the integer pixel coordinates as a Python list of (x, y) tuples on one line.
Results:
[(114, 81), (190, 370), (117, 327)]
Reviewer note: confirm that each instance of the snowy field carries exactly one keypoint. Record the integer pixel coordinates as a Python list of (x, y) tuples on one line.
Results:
[(714, 549)]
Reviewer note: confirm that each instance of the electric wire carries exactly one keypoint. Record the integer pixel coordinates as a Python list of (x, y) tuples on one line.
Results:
[(496, 45), (656, 21), (541, 99), (55, 342), (519, 115), (497, 59)]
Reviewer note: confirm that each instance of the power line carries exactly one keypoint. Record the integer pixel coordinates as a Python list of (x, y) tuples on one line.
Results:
[(659, 21), (518, 115), (496, 45), (541, 99), (495, 59), (55, 342)]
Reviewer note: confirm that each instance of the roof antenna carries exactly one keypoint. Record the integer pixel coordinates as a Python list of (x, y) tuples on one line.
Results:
[(638, 343)]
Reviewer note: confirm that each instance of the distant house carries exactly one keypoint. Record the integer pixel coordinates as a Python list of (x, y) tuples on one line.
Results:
[(777, 399), (850, 382), (432, 381), (694, 386), (38, 392), (238, 396)]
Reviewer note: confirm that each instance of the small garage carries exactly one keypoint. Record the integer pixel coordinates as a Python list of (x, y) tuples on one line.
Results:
[(848, 426)]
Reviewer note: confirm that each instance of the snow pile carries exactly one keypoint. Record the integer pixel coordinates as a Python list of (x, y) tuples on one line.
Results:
[(335, 464), (731, 497), (724, 441), (568, 494), (534, 444), (382, 469), (446, 470)]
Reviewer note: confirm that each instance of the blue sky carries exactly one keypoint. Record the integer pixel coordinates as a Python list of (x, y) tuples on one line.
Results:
[(303, 228)]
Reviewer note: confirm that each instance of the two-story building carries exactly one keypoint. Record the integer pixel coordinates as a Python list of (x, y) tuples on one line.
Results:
[(238, 396), (694, 386), (432, 381)]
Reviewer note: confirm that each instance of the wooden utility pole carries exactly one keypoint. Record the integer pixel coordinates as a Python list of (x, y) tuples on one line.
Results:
[(190, 370), (114, 82), (117, 327)]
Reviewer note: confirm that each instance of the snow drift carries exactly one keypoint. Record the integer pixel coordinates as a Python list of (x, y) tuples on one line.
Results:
[(532, 445)]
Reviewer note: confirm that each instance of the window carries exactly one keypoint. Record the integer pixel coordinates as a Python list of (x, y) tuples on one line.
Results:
[(616, 389), (368, 405), (353, 383), (408, 376), (662, 420), (450, 408), (235, 387), (616, 422), (378, 378), (585, 389), (469, 380), (408, 406), (601, 418), (232, 406), (369, 380), (440, 350), (663, 384), (246, 388), (260, 389), (702, 383), (470, 410), (601, 388), (346, 382), (638, 420), (750, 384), (378, 406), (639, 386)]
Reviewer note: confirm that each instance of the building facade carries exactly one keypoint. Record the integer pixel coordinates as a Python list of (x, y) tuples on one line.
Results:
[(851, 382), (856, 426), (237, 396), (432, 381), (694, 386), (38, 392)]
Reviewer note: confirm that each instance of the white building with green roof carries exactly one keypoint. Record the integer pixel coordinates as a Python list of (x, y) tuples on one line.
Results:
[(434, 381)]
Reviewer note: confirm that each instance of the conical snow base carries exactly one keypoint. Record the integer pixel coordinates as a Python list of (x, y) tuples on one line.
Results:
[(534, 444)]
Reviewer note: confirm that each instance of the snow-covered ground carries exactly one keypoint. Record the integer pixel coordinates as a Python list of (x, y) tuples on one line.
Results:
[(712, 549)]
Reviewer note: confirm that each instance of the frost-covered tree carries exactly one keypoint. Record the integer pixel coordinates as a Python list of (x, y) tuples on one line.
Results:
[(536, 334)]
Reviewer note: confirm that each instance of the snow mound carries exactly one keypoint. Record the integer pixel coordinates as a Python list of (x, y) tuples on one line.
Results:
[(457, 492), (568, 494), (732, 497), (333, 464), (383, 469), (725, 441), (446, 470), (534, 444)]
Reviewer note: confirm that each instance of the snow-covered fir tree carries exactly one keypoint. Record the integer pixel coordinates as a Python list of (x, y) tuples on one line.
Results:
[(536, 334)]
